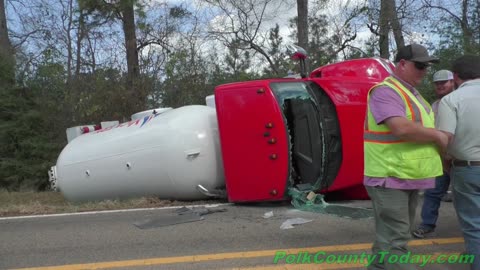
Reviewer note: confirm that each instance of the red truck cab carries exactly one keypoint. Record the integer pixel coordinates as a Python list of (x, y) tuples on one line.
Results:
[(306, 133)]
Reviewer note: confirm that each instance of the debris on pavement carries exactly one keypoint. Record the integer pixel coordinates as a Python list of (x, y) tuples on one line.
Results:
[(199, 210), (167, 219), (313, 202), (268, 214), (288, 224), (180, 215)]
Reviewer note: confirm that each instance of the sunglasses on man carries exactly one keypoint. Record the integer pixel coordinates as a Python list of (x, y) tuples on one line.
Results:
[(421, 66)]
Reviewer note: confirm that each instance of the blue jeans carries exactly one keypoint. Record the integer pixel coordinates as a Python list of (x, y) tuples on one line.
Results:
[(431, 201), (466, 194)]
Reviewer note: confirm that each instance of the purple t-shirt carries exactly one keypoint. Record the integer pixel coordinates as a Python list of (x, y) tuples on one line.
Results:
[(385, 103)]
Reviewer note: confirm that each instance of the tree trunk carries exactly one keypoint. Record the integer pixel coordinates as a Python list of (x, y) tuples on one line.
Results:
[(395, 24), (389, 21), (69, 41), (384, 28), (7, 57), (302, 25), (135, 98), (80, 34), (466, 31)]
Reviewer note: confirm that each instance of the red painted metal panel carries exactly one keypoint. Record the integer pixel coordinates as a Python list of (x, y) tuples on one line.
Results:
[(361, 69), (254, 142), (347, 84), (349, 98)]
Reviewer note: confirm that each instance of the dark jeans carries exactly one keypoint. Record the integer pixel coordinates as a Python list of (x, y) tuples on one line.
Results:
[(431, 201)]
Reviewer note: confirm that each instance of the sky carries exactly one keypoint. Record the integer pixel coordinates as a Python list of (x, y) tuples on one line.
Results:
[(280, 14)]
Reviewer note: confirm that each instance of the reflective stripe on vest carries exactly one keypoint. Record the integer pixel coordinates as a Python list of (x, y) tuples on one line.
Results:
[(388, 136), (412, 106), (381, 137)]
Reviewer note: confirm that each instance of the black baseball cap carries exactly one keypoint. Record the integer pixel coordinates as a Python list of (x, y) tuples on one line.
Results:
[(415, 53)]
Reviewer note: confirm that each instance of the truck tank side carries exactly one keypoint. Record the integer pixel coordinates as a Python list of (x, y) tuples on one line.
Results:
[(166, 155)]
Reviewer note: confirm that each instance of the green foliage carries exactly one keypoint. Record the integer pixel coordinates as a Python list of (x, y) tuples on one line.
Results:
[(100, 7), (219, 73), (28, 146), (237, 60), (280, 60), (33, 119), (96, 97), (320, 43), (7, 71), (179, 12), (29, 129), (446, 55), (460, 33), (185, 82), (427, 88)]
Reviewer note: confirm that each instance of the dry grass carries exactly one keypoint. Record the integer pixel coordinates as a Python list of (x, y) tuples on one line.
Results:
[(40, 203)]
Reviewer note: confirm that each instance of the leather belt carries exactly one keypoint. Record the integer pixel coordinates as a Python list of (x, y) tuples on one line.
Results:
[(465, 163)]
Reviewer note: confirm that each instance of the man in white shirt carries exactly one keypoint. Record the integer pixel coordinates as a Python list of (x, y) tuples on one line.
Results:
[(458, 117)]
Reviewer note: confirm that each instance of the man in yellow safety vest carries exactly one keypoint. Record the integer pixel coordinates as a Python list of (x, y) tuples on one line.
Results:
[(402, 153)]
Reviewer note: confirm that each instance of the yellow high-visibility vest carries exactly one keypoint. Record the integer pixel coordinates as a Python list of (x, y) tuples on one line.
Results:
[(386, 155)]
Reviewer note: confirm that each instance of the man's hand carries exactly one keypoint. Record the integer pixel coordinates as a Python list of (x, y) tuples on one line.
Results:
[(449, 135), (442, 142)]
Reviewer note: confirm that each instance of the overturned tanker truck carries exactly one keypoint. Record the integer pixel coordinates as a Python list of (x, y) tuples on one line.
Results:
[(253, 141)]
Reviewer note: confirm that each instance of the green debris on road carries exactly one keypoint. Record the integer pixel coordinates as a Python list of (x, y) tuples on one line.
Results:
[(313, 202)]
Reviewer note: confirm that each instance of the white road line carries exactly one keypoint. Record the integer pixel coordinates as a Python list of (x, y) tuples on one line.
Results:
[(114, 211)]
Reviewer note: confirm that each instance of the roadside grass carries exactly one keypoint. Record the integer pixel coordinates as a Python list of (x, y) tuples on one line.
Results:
[(49, 202)]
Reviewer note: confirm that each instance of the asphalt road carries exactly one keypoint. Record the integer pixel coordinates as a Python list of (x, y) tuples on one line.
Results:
[(238, 238)]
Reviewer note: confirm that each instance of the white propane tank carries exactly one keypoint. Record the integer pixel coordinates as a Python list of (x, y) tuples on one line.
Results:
[(149, 112), (166, 155)]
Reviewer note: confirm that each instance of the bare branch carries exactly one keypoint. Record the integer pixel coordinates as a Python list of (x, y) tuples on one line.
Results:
[(428, 4), (23, 38)]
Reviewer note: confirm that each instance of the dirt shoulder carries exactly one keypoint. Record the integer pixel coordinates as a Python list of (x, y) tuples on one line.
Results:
[(41, 203)]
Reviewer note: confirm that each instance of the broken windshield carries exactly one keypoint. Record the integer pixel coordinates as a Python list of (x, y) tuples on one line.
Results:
[(307, 145)]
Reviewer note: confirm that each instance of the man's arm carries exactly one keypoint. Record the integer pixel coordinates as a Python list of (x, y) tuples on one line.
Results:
[(414, 132), (388, 107)]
